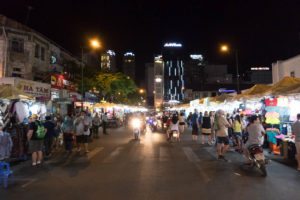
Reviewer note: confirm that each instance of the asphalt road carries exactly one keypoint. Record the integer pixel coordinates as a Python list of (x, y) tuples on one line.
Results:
[(120, 168)]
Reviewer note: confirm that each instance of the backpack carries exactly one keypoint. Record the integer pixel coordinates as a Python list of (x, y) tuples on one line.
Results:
[(41, 131)]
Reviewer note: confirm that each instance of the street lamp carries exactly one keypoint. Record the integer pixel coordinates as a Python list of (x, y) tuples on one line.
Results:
[(141, 91), (94, 44), (225, 49)]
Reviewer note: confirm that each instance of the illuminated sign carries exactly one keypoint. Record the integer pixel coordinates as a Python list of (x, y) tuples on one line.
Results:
[(260, 68), (224, 90), (129, 54), (111, 52), (158, 59), (158, 80), (173, 44), (196, 57)]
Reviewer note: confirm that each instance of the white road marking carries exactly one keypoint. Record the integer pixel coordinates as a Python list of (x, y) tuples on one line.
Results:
[(94, 152), (192, 157), (113, 155), (30, 181), (163, 154)]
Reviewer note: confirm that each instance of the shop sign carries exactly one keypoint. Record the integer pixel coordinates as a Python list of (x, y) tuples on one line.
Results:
[(58, 81), (34, 88), (271, 102)]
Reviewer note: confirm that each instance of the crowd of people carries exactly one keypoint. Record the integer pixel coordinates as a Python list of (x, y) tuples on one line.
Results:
[(79, 130), (219, 129)]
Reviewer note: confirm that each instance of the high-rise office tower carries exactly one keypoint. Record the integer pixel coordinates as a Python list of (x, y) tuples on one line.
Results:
[(173, 72), (129, 64), (108, 61), (158, 81)]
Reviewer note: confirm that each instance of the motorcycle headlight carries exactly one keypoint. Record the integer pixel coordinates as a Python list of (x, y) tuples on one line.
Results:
[(155, 123), (136, 123)]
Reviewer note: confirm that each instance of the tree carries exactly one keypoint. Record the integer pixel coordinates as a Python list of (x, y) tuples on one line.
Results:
[(115, 86)]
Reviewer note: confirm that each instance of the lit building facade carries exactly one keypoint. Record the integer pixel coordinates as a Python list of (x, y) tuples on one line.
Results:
[(26, 53), (289, 67), (108, 61), (149, 82), (158, 81), (173, 72), (129, 64)]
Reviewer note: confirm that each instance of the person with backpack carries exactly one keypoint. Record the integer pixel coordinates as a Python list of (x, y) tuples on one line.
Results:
[(35, 137)]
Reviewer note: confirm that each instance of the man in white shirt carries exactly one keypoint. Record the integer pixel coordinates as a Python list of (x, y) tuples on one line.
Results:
[(296, 132), (222, 134)]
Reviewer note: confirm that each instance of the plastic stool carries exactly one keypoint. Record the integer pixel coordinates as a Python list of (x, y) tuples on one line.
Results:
[(5, 172)]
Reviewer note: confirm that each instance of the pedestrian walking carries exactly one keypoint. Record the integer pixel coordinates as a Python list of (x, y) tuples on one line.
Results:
[(221, 127), (189, 118), (50, 134), (96, 125), (182, 123), (237, 132), (35, 138), (195, 125), (296, 132), (82, 130), (68, 132), (104, 123), (206, 128)]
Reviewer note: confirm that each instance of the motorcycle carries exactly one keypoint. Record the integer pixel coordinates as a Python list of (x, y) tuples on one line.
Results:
[(173, 136), (136, 126), (152, 124), (257, 157)]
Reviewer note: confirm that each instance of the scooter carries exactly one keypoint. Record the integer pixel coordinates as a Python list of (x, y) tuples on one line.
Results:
[(136, 126), (257, 157), (152, 124), (173, 136)]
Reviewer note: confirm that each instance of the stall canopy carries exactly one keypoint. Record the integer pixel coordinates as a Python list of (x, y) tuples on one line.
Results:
[(10, 92), (104, 105), (288, 85), (258, 90), (221, 98)]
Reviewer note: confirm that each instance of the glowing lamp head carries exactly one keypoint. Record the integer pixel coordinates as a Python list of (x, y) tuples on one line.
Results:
[(95, 43), (224, 48)]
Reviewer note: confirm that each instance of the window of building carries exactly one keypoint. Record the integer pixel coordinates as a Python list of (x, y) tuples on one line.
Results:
[(293, 74), (16, 69), (37, 51), (17, 45), (43, 53), (16, 75)]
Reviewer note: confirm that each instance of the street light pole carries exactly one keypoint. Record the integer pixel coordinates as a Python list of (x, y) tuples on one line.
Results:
[(237, 71), (226, 49), (81, 63)]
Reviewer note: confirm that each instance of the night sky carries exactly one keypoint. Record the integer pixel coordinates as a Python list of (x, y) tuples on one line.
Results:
[(262, 31)]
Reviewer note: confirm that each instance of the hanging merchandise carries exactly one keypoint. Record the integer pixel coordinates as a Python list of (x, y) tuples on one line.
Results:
[(271, 102), (22, 110), (5, 145), (272, 118)]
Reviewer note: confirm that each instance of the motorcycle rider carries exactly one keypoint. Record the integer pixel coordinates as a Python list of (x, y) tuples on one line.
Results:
[(174, 126), (256, 134)]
